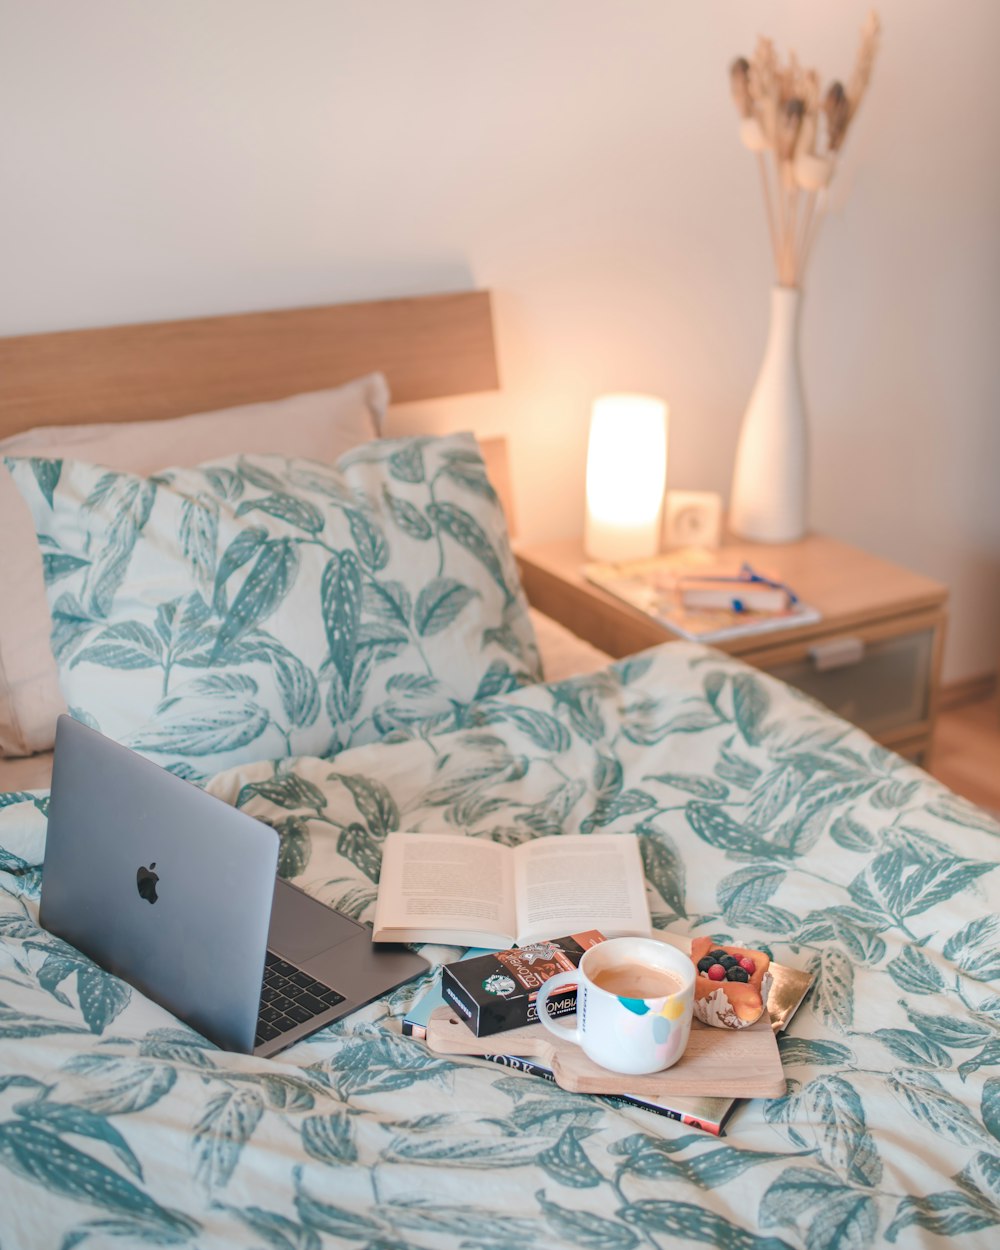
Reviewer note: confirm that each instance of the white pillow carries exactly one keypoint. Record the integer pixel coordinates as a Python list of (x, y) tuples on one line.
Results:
[(260, 607), (320, 425)]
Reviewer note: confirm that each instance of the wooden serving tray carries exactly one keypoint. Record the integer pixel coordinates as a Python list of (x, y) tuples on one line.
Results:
[(717, 1063)]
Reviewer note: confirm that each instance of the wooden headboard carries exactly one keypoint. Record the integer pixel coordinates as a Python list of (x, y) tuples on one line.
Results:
[(428, 347)]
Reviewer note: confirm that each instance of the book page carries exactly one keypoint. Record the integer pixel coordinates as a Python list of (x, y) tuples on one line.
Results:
[(444, 882), (577, 882)]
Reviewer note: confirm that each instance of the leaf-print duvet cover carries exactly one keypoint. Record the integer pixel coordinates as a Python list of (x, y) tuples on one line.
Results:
[(761, 817)]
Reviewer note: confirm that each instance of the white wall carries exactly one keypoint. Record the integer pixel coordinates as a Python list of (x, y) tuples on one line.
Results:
[(579, 158)]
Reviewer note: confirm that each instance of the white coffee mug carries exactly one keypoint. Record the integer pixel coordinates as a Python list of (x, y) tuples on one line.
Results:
[(639, 1020)]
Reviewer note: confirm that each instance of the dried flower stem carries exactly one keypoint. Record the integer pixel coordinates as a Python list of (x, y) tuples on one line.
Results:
[(810, 237), (807, 219), (790, 235), (768, 206)]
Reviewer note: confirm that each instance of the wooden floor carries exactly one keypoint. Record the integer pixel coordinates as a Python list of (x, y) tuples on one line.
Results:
[(967, 752)]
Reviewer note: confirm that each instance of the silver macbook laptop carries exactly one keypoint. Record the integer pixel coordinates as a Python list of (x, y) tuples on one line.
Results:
[(175, 892)]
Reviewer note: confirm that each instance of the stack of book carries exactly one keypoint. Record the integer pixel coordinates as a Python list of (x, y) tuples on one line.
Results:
[(710, 1114)]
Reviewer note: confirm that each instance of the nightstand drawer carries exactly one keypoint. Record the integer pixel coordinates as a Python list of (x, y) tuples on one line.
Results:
[(879, 685)]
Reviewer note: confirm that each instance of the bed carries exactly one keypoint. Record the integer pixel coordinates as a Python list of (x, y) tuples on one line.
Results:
[(762, 818)]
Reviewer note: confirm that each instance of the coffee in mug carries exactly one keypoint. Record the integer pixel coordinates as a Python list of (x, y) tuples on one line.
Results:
[(634, 1002), (638, 981)]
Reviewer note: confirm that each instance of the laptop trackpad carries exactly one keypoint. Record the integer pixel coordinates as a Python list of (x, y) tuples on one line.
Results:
[(302, 927)]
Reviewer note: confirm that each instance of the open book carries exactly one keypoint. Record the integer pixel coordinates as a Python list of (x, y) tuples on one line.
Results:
[(470, 892)]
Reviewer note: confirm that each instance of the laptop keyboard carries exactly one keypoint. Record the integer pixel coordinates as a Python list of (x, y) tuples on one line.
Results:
[(290, 997)]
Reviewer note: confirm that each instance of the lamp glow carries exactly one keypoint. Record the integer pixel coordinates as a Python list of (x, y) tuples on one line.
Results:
[(626, 476)]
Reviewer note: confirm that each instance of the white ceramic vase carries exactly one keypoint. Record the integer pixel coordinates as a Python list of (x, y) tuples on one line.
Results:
[(768, 499)]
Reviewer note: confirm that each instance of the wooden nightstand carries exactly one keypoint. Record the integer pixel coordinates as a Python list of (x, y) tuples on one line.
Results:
[(874, 658)]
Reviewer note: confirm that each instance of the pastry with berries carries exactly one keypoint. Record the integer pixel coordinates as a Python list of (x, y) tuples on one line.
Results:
[(730, 990)]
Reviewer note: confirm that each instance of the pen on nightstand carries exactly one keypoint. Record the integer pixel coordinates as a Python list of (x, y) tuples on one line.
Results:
[(752, 599), (747, 591)]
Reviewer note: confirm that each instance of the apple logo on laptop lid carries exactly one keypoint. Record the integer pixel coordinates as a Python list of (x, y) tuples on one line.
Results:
[(145, 880)]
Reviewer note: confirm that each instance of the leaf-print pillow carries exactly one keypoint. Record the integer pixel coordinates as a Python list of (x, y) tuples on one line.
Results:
[(260, 607)]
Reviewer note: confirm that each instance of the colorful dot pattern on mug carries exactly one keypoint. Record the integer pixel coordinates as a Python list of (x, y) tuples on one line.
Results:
[(657, 1014)]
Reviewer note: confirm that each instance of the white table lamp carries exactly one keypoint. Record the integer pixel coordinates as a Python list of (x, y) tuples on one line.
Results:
[(626, 476)]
